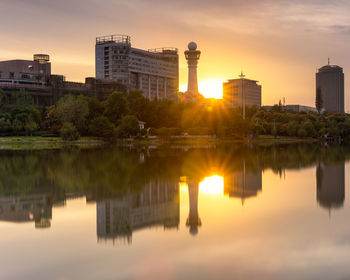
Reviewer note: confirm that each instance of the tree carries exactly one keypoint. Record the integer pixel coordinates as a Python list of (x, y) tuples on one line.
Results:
[(128, 127), (116, 106), (5, 125), (309, 129), (3, 99), (102, 127), (292, 128), (69, 132), (30, 126), (319, 100), (17, 126), (74, 110)]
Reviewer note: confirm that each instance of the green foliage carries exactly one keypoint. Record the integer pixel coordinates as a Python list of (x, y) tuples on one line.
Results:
[(128, 127), (116, 106), (302, 132), (74, 110), (30, 126), (17, 126), (102, 127), (5, 125), (69, 132), (292, 128)]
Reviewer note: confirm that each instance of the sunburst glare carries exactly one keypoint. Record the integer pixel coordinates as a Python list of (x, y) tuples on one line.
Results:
[(212, 185), (211, 88)]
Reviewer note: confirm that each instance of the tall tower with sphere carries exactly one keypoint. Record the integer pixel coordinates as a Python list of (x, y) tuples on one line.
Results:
[(192, 55)]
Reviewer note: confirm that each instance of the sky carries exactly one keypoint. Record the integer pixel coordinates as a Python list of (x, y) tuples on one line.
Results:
[(279, 43)]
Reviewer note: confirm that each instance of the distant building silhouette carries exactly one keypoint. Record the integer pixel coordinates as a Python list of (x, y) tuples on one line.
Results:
[(237, 92), (330, 80), (156, 205), (155, 72), (330, 185), (193, 220)]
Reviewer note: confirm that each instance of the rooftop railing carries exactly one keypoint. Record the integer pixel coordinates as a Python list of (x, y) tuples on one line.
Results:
[(113, 39), (164, 50)]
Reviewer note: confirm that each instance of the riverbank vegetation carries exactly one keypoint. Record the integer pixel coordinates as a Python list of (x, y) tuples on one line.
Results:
[(119, 116)]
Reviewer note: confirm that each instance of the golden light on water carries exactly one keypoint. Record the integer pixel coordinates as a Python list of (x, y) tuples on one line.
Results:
[(211, 88), (212, 185)]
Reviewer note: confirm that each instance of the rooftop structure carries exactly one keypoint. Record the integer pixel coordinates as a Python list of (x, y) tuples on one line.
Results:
[(155, 71)]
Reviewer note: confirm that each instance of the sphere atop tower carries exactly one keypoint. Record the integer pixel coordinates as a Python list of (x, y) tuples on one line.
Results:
[(192, 46)]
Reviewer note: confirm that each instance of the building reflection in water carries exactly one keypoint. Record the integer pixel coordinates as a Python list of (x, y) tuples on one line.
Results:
[(330, 185), (243, 184), (156, 205), (34, 208), (193, 220)]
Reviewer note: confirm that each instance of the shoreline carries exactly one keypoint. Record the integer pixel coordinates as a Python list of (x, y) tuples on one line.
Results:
[(42, 143)]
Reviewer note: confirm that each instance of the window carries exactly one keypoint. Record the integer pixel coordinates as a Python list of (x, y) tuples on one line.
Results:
[(12, 75)]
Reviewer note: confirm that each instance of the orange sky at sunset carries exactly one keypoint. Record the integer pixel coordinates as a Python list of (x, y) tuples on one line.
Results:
[(279, 43)]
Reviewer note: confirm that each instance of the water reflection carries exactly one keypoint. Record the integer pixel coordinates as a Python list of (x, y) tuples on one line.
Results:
[(35, 208), (157, 204), (140, 189), (193, 220), (330, 185), (243, 184)]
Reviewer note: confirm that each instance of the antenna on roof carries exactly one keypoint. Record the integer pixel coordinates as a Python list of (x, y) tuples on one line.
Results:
[(242, 75), (329, 61)]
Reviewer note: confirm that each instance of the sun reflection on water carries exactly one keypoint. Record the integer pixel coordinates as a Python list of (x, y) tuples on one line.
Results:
[(213, 185)]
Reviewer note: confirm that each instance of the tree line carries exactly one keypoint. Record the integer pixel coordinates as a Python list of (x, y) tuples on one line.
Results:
[(119, 116)]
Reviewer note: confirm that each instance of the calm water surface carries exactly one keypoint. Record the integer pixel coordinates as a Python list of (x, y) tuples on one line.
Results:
[(181, 213)]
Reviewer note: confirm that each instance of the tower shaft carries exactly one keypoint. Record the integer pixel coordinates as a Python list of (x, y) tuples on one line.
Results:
[(192, 57)]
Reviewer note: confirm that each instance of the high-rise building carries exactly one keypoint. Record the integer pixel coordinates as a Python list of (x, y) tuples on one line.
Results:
[(241, 92), (330, 82), (155, 72)]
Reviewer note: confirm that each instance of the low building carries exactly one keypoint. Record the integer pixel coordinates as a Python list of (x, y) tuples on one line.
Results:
[(294, 108), (299, 108), (26, 72), (34, 77), (237, 92)]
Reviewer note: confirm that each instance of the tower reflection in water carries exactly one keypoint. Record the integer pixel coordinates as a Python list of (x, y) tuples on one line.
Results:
[(193, 220), (330, 185)]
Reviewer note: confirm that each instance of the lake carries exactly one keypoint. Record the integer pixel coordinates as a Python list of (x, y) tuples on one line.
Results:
[(224, 212)]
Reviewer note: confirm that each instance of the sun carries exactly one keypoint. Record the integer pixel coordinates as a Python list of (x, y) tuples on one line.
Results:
[(210, 88)]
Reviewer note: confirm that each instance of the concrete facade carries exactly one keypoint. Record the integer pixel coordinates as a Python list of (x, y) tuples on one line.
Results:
[(330, 80), (237, 92), (155, 72)]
